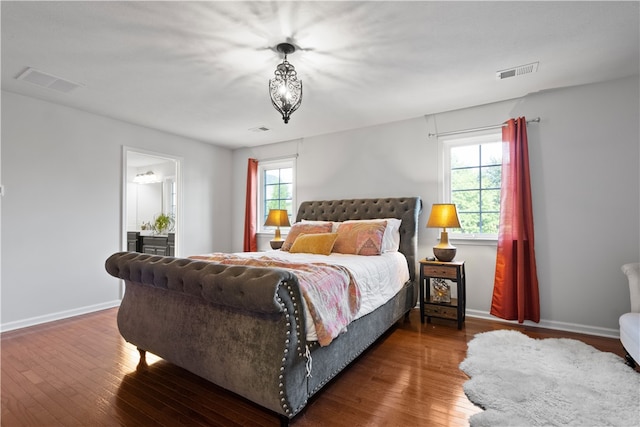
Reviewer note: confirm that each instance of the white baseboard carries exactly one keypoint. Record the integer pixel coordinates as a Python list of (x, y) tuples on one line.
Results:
[(549, 324), (10, 326), (552, 324)]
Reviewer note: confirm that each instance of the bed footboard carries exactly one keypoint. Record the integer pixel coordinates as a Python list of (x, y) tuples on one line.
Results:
[(236, 326)]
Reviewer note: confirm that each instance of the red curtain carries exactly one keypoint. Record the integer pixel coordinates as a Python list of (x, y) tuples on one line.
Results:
[(515, 290), (251, 207)]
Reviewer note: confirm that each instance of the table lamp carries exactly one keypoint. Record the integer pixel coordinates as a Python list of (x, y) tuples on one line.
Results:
[(444, 215), (277, 218)]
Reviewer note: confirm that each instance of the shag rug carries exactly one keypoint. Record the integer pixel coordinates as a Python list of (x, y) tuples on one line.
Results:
[(520, 381)]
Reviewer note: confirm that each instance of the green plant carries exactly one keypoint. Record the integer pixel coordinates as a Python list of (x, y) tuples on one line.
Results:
[(163, 223)]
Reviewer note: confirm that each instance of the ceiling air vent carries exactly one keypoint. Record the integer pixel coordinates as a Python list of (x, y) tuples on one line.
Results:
[(517, 71), (259, 129), (49, 81)]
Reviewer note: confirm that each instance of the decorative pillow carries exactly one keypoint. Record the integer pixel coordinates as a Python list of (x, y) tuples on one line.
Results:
[(305, 228), (360, 237), (320, 243), (391, 238)]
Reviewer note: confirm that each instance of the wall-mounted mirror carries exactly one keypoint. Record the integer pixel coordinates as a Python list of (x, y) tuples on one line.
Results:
[(151, 188)]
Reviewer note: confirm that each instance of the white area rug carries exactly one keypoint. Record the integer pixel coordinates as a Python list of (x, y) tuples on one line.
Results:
[(521, 381)]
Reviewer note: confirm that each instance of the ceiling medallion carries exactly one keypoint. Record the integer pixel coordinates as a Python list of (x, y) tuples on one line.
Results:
[(285, 89)]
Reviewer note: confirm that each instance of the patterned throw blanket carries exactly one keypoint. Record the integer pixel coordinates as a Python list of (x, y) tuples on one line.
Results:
[(330, 291)]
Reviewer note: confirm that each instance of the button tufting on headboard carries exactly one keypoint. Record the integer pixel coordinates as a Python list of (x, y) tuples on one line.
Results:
[(405, 208)]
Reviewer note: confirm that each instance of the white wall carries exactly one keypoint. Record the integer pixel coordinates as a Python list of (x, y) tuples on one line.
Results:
[(61, 169), (61, 214), (584, 164)]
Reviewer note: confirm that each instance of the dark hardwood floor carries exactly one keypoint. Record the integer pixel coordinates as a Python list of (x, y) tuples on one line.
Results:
[(80, 372)]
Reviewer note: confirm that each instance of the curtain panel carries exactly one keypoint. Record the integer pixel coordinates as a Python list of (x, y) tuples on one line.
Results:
[(251, 208), (515, 291)]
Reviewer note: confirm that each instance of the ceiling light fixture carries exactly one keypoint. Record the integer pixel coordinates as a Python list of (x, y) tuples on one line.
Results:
[(285, 89)]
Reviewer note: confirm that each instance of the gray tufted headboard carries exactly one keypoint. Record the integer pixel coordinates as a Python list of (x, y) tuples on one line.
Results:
[(405, 208)]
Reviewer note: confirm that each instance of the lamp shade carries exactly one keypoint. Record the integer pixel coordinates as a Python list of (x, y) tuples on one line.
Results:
[(443, 215), (277, 218)]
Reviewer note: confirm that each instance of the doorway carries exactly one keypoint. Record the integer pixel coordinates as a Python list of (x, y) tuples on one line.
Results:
[(151, 186)]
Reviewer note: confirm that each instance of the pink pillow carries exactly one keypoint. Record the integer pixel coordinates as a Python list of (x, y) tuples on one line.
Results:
[(305, 228), (360, 238)]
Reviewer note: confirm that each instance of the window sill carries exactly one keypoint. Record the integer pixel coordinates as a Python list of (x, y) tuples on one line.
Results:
[(270, 234), (474, 241)]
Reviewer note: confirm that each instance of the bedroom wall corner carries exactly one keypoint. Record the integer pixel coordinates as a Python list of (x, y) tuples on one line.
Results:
[(584, 158), (62, 210), (239, 184)]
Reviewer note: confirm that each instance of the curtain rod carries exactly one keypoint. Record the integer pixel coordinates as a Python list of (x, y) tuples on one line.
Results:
[(273, 159), (457, 132)]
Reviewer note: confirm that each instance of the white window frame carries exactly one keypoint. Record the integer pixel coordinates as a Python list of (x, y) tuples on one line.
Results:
[(445, 145), (289, 162)]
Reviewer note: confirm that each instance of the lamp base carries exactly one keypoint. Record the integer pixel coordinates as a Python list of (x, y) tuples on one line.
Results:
[(444, 254), (276, 244)]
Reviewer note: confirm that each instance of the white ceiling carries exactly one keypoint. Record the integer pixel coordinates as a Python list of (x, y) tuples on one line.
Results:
[(201, 69)]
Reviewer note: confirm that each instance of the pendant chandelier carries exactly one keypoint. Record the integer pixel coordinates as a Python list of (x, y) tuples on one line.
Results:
[(285, 89)]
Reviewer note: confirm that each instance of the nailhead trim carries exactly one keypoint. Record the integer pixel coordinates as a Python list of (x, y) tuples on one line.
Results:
[(283, 400)]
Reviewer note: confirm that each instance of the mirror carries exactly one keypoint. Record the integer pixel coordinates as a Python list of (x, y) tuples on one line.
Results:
[(151, 186)]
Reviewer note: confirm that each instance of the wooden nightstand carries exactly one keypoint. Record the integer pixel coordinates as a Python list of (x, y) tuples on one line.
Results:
[(453, 310)]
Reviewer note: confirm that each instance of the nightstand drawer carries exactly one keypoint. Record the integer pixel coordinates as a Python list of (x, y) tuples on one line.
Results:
[(439, 271), (441, 311)]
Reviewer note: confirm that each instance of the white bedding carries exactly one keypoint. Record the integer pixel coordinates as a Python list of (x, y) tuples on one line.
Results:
[(379, 277)]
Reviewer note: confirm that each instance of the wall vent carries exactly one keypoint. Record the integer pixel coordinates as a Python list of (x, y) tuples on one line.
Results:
[(47, 80), (517, 71)]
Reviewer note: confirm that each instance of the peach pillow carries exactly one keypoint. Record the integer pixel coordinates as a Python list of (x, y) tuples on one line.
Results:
[(360, 238), (391, 238), (320, 243), (299, 228)]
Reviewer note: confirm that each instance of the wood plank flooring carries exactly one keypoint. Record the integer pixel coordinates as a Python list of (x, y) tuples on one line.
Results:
[(80, 372)]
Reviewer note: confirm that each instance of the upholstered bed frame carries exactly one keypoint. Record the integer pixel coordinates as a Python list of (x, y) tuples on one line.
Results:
[(242, 327)]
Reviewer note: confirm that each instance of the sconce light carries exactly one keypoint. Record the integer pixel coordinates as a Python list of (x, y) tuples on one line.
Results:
[(444, 215), (277, 218), (147, 178), (285, 89)]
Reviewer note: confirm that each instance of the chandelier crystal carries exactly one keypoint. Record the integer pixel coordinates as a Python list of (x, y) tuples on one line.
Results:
[(285, 89)]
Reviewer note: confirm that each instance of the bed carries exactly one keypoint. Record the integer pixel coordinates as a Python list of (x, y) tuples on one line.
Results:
[(245, 326)]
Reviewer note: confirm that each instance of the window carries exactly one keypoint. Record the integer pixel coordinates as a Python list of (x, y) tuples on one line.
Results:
[(276, 183), (473, 174)]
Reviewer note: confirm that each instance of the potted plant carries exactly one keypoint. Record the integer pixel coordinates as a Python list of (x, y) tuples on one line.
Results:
[(163, 223)]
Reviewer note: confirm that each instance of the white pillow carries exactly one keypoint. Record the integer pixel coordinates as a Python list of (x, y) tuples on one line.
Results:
[(392, 235)]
